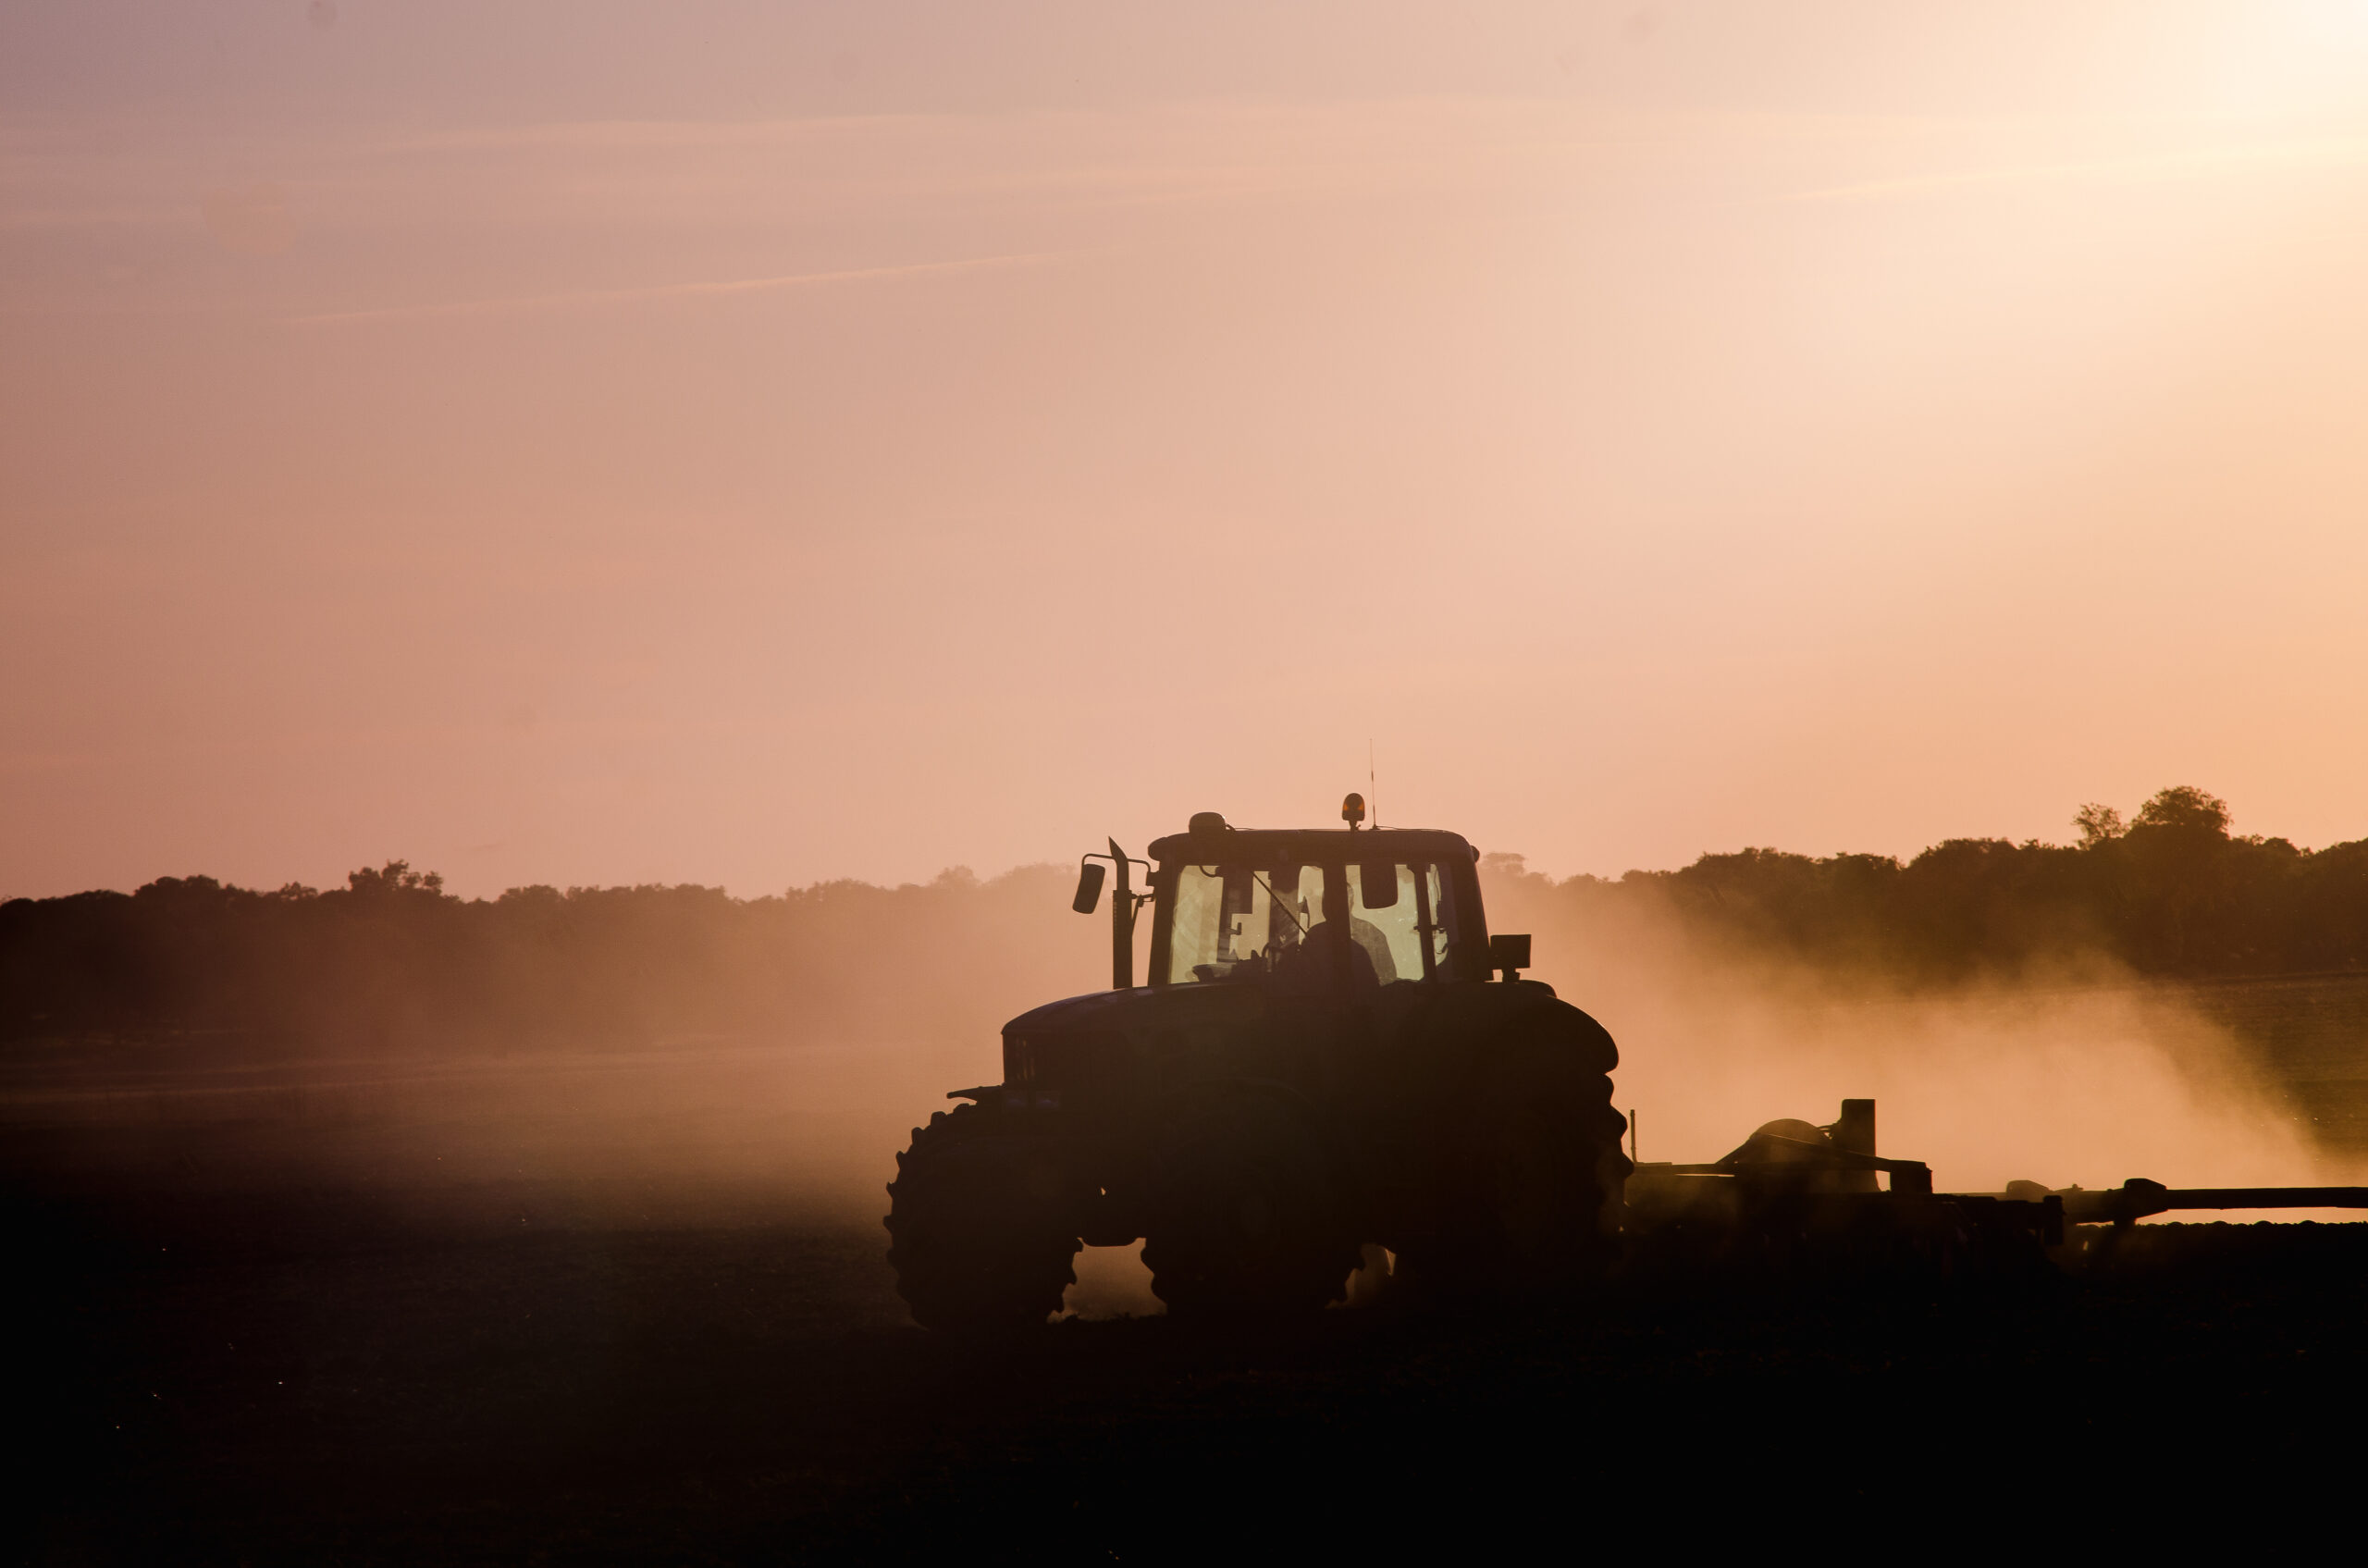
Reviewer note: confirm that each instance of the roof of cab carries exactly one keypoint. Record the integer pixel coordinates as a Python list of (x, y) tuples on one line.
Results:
[(1308, 846)]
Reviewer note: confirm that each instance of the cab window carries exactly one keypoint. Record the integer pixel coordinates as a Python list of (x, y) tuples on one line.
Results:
[(1398, 915), (1231, 921)]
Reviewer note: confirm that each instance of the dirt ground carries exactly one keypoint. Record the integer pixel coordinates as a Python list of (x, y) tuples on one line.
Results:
[(237, 1378), (264, 1324)]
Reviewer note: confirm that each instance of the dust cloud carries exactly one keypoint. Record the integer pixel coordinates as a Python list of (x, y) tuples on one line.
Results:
[(859, 1019), (636, 1058), (2081, 1075), (684, 1133)]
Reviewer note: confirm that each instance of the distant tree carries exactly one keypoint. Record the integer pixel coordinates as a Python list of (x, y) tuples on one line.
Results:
[(2098, 824), (2177, 877), (1503, 863), (2184, 806), (395, 876)]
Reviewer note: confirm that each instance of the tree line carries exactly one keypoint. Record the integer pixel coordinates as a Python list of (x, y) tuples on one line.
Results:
[(2168, 892), (392, 961)]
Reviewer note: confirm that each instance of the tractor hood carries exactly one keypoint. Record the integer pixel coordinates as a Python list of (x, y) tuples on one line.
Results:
[(1095, 1010)]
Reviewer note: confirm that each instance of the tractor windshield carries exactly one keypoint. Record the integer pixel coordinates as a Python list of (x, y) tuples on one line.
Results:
[(1232, 922)]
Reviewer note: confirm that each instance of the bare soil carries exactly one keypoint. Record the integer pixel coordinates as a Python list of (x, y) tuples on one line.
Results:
[(254, 1378), (290, 1331)]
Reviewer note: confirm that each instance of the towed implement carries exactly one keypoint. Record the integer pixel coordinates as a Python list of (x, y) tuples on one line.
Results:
[(1333, 1064), (1799, 1194)]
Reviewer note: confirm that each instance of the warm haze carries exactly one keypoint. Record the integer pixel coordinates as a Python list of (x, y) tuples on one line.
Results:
[(749, 445)]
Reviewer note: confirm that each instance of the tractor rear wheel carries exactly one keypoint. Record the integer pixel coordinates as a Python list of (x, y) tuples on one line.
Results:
[(1244, 1221), (1535, 1174), (978, 1235)]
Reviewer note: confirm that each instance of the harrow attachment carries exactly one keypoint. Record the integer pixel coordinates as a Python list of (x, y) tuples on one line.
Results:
[(1796, 1197)]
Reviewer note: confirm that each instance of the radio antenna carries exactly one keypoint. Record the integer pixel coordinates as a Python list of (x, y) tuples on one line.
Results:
[(1373, 786)]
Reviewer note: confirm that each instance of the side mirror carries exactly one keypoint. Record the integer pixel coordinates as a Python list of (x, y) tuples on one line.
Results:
[(1088, 888), (1510, 954), (1378, 881)]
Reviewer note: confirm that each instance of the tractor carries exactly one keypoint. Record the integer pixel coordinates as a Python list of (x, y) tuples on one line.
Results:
[(1333, 1062), (1336, 1071)]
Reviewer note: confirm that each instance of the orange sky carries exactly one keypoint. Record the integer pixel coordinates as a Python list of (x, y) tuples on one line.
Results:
[(584, 443)]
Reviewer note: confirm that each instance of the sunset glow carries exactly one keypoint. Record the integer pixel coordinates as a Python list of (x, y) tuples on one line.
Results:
[(754, 445)]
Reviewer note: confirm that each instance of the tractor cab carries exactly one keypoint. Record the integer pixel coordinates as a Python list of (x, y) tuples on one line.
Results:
[(1305, 908), (1313, 910)]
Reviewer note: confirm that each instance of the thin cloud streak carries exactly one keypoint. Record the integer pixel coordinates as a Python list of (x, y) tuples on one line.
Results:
[(2325, 153), (589, 297)]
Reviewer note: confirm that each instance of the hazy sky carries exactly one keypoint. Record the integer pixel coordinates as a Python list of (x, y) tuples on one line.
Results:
[(748, 444)]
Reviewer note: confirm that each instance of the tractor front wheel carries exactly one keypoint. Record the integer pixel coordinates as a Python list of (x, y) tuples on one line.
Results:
[(978, 1235)]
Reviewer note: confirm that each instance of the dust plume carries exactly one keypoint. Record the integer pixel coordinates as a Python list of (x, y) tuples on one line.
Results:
[(602, 1057), (659, 1057), (2081, 1073)]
